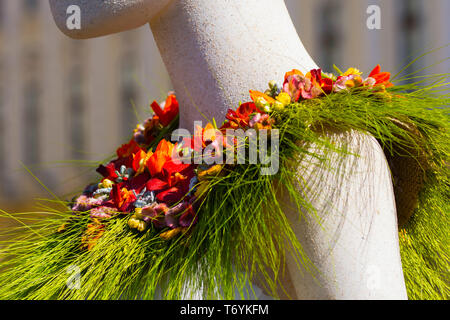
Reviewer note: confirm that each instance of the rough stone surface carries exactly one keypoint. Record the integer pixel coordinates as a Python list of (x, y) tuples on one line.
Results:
[(102, 17), (353, 240), (215, 51)]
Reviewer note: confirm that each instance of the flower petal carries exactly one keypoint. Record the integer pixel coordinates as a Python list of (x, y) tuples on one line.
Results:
[(156, 184)]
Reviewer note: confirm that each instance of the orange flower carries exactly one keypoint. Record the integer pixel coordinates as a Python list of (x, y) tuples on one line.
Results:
[(256, 94), (92, 234), (162, 154), (381, 78), (139, 161), (202, 136), (209, 133)]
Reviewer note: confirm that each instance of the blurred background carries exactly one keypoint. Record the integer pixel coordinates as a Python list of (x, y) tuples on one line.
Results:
[(66, 104)]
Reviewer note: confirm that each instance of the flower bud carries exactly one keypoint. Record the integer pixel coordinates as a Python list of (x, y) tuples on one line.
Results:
[(171, 233), (107, 183), (260, 102), (267, 108), (138, 214), (210, 172), (278, 106), (142, 225), (132, 223), (272, 84)]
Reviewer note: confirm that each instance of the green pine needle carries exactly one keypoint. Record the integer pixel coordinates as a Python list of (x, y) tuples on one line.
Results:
[(242, 231)]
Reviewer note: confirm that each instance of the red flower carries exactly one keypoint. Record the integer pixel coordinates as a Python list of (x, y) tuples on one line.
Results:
[(139, 161), (167, 173), (170, 196), (128, 149), (126, 154), (202, 137), (327, 85), (172, 175), (315, 75), (241, 117), (138, 182), (108, 171), (170, 111), (156, 184)]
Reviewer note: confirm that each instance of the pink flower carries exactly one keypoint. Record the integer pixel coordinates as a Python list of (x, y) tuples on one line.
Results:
[(103, 212), (84, 203), (155, 214), (189, 217), (293, 86), (339, 85), (298, 86), (370, 82)]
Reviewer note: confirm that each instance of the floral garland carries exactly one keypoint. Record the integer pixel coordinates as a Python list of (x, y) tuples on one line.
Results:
[(153, 223), (147, 185)]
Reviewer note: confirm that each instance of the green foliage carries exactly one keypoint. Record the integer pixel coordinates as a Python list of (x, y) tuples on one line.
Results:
[(424, 244), (242, 231)]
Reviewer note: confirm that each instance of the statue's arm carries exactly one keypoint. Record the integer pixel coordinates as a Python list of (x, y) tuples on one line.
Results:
[(103, 17)]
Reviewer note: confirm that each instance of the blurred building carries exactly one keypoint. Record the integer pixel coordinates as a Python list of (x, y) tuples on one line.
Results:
[(65, 103)]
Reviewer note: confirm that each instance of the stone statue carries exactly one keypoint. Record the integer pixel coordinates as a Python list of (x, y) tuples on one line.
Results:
[(214, 52)]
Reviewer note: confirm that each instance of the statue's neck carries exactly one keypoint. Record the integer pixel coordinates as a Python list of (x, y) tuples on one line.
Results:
[(215, 51)]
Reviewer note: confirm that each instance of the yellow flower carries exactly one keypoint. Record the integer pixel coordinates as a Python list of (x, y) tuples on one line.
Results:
[(133, 222), (284, 98), (142, 226), (355, 82), (352, 71)]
